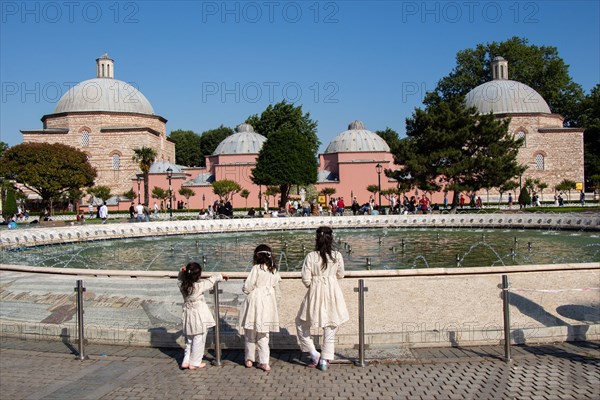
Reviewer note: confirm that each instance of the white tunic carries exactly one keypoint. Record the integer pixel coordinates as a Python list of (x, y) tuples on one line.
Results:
[(259, 309), (324, 303), (197, 317)]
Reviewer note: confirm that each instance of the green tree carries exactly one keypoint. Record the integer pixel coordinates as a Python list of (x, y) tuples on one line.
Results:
[(272, 191), (144, 156), (391, 138), (100, 192), (188, 148), (373, 189), (3, 147), (130, 195), (286, 158), (595, 182), (75, 195), (9, 206), (566, 185), (507, 186), (284, 116), (5, 186), (541, 186), (225, 189), (388, 193), (209, 140), (244, 194), (47, 169), (327, 192), (452, 147), (539, 67), (187, 193), (590, 120), (160, 194), (524, 198)]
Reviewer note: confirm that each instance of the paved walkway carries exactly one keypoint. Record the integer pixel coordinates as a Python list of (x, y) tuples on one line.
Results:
[(49, 370)]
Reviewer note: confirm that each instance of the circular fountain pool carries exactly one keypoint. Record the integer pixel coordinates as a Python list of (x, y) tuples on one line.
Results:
[(373, 248)]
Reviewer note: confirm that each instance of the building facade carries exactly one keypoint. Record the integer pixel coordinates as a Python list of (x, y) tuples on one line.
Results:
[(551, 152), (107, 119)]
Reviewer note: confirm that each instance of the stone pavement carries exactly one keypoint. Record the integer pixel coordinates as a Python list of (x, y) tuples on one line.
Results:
[(50, 370)]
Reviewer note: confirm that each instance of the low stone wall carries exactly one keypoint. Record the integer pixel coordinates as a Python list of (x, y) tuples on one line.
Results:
[(411, 308), (79, 233)]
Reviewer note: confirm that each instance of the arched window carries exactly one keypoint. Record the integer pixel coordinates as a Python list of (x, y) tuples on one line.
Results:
[(116, 162), (521, 135), (85, 138), (539, 162)]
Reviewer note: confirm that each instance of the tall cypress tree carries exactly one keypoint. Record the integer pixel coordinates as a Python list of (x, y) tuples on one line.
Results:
[(286, 159)]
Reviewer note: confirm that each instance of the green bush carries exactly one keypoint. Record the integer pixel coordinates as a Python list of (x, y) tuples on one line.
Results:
[(10, 204)]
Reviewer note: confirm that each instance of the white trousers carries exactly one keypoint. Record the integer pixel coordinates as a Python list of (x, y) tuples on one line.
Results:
[(194, 349), (257, 341), (306, 342)]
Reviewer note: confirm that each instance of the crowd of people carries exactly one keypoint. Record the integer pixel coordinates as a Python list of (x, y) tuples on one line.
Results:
[(219, 209)]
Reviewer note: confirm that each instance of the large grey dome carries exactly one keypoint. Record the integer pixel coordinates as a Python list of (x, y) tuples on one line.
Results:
[(104, 94), (504, 96), (244, 141), (357, 139)]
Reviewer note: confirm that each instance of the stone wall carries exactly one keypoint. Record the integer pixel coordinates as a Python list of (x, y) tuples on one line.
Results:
[(410, 308), (562, 149), (102, 145)]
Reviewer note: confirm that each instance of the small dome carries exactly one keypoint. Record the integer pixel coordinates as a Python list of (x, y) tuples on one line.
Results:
[(506, 97), (160, 167), (357, 139), (104, 94), (244, 141)]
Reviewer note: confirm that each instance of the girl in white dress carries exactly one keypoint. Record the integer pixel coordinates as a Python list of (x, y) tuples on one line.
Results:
[(258, 314), (196, 317), (323, 306)]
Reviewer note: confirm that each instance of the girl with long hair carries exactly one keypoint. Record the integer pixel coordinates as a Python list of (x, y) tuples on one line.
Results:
[(196, 317), (323, 305), (258, 314)]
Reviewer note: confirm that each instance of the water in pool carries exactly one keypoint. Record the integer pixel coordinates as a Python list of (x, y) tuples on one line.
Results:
[(376, 249)]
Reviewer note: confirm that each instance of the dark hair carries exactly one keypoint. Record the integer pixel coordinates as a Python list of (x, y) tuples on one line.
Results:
[(324, 244), (263, 255), (191, 275)]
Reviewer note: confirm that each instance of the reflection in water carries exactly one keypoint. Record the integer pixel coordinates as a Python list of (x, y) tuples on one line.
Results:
[(386, 248)]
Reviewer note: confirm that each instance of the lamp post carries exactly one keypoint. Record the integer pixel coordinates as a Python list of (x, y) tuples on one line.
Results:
[(379, 168), (203, 198), (170, 176), (139, 180)]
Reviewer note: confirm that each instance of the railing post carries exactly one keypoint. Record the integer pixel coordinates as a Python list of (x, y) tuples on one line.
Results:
[(216, 292), (506, 312), (80, 289), (361, 322)]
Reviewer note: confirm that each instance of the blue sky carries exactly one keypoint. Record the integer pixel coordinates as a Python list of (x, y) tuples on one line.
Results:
[(206, 63)]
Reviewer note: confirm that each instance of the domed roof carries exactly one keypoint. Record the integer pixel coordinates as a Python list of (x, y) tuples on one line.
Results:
[(160, 167), (357, 139), (504, 96), (104, 94), (244, 141)]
